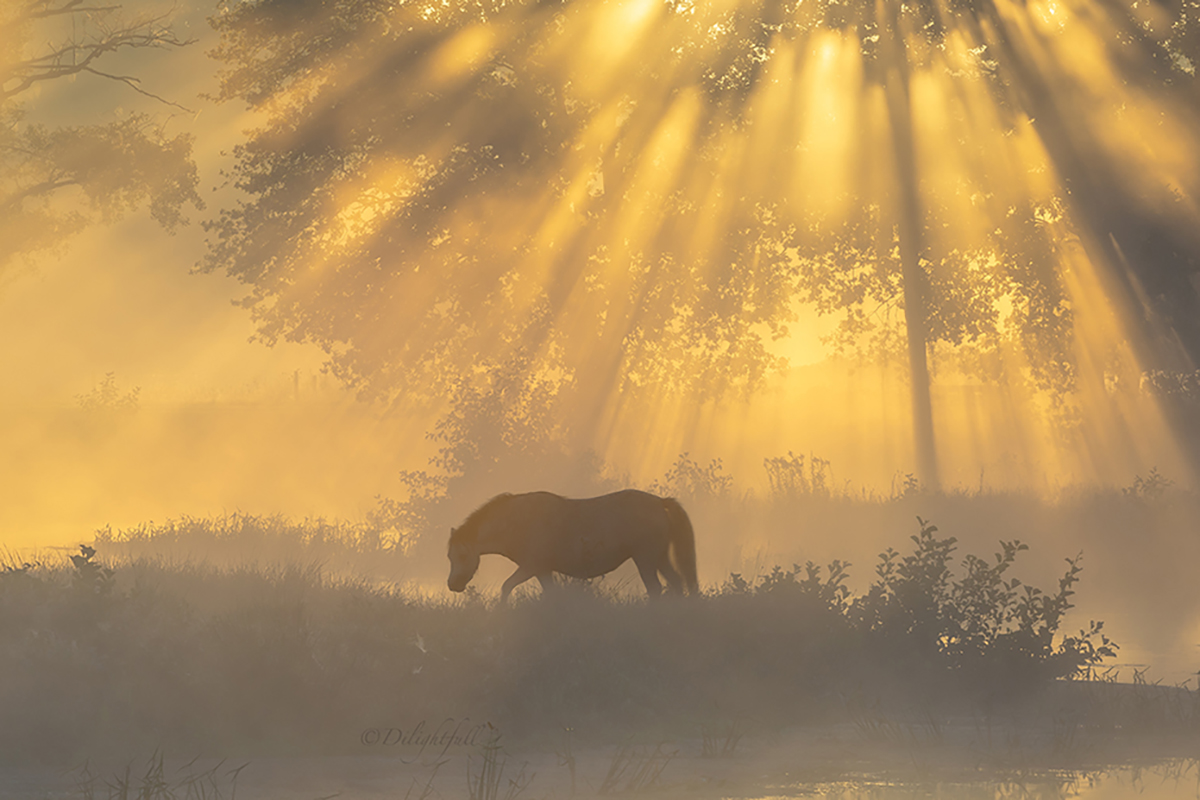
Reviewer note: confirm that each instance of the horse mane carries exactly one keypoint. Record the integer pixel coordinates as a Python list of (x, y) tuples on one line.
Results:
[(470, 526)]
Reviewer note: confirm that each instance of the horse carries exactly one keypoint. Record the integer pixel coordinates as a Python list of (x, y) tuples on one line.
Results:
[(543, 533)]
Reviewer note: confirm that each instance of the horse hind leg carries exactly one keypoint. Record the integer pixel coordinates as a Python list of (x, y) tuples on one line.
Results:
[(649, 573), (674, 579)]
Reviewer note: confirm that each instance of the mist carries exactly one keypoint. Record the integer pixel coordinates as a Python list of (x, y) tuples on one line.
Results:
[(290, 291)]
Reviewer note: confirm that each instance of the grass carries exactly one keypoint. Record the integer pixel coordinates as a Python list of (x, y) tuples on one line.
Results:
[(256, 659), (424, 789), (721, 740), (636, 768), (366, 549), (485, 783), (153, 782)]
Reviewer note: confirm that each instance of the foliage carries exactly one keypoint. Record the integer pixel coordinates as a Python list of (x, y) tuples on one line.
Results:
[(1177, 385), (1005, 293), (803, 586), (406, 249), (56, 180), (91, 577), (471, 189), (787, 478), (1152, 487), (909, 487), (982, 621), (687, 479), (106, 397)]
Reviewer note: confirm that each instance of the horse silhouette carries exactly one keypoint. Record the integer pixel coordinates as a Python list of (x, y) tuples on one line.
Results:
[(543, 533)]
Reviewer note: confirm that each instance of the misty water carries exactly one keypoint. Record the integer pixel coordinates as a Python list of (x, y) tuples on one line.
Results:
[(1154, 783), (1105, 786), (1176, 780), (544, 778)]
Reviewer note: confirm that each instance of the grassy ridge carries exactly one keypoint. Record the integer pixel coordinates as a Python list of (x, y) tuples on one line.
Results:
[(365, 549), (208, 659)]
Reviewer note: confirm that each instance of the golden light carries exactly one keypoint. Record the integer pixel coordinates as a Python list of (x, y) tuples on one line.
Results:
[(806, 131)]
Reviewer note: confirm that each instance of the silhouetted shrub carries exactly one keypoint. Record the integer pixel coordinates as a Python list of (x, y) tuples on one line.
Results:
[(984, 625)]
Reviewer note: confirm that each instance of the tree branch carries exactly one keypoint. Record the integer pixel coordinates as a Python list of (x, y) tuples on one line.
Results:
[(133, 83), (70, 7), (12, 204), (153, 32)]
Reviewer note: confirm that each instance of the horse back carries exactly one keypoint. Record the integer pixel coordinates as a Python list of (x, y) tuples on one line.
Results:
[(589, 536)]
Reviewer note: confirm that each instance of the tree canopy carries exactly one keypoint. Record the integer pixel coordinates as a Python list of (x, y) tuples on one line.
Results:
[(57, 179), (638, 193)]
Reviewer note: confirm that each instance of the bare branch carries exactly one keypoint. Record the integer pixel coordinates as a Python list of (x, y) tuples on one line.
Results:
[(44, 9), (71, 7), (134, 83), (75, 58)]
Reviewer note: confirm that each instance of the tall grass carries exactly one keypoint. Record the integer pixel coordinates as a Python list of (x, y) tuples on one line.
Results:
[(366, 548)]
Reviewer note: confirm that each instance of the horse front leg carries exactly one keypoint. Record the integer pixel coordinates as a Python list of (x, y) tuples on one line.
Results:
[(548, 582), (516, 579)]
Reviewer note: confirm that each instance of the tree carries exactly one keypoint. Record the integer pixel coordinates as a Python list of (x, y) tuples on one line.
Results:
[(54, 181), (411, 250), (611, 187)]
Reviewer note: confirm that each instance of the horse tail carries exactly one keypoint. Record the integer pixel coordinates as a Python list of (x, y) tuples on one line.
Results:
[(683, 543)]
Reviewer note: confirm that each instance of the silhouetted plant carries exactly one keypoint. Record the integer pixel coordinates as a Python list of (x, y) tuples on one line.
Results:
[(736, 584), (687, 479), (1152, 487), (982, 620), (830, 594), (90, 576), (106, 397), (910, 596), (154, 783), (721, 741), (16, 572), (485, 784), (788, 478), (635, 768), (909, 487)]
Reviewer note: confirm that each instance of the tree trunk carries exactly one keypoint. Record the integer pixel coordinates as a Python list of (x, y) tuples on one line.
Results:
[(909, 212)]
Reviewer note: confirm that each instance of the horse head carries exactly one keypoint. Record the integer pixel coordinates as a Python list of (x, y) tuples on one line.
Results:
[(464, 559)]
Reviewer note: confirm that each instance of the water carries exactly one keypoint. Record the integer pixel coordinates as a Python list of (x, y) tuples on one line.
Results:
[(359, 778), (1174, 780)]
